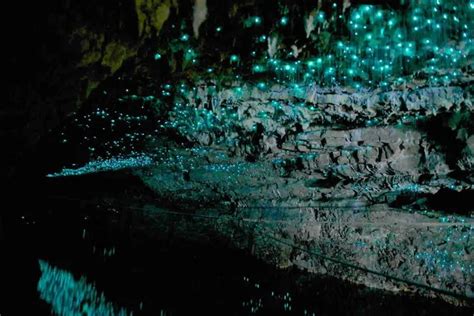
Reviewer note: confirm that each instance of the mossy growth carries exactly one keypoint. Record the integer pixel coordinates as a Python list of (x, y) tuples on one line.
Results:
[(151, 14), (115, 54)]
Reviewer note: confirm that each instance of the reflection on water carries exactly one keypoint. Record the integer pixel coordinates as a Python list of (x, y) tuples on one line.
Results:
[(96, 260)]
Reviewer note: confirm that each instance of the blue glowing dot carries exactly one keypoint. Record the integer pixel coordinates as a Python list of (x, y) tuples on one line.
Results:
[(258, 68)]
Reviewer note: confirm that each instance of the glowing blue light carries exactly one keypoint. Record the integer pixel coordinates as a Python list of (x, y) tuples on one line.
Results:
[(69, 296)]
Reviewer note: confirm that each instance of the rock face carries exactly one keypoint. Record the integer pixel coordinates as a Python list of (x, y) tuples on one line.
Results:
[(340, 192)]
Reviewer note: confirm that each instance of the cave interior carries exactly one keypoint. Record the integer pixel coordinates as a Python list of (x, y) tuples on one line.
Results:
[(270, 157)]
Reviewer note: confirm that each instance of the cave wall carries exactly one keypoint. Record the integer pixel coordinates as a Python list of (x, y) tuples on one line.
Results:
[(281, 169)]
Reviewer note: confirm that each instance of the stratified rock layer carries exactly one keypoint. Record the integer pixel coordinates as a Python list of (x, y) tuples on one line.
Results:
[(333, 182)]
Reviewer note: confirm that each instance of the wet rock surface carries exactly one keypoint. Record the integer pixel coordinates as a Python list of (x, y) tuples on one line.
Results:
[(357, 192)]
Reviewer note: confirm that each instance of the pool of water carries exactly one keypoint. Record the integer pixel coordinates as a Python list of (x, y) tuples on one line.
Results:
[(151, 272)]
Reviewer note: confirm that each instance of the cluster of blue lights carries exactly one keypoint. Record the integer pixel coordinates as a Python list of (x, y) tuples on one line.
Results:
[(69, 296)]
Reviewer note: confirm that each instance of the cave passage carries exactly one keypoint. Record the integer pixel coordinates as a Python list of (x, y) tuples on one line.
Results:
[(270, 157)]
